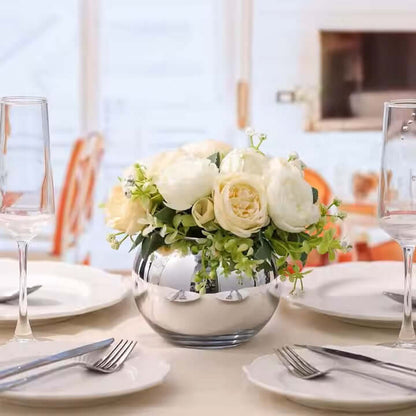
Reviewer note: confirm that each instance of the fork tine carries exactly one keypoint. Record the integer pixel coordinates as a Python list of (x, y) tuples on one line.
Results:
[(290, 367), (109, 355), (300, 358), (295, 363), (115, 356), (123, 357), (115, 361), (308, 367)]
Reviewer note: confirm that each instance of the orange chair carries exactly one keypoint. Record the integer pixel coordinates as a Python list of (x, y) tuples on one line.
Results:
[(318, 182), (324, 194), (77, 196)]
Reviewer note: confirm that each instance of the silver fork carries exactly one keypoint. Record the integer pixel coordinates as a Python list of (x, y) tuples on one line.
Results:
[(108, 364), (301, 368)]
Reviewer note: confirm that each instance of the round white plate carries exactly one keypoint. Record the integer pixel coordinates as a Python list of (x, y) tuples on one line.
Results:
[(339, 391), (67, 290), (353, 292), (77, 386)]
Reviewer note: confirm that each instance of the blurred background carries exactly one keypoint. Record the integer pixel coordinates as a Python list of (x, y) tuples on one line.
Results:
[(151, 75)]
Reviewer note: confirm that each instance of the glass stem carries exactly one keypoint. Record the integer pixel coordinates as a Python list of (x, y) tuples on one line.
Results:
[(23, 330), (407, 332)]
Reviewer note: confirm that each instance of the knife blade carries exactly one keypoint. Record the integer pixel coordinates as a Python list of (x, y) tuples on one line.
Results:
[(398, 297), (74, 352), (360, 357)]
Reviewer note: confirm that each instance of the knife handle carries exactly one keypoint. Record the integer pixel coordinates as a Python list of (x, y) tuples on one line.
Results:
[(396, 367), (75, 352)]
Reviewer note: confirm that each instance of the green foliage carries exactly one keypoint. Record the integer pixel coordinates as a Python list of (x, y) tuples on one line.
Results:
[(271, 250), (145, 189)]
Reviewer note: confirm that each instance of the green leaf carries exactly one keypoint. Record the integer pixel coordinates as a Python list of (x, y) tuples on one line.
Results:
[(166, 215), (279, 248), (315, 195), (264, 251), (136, 242), (303, 258), (216, 159), (188, 220), (151, 244)]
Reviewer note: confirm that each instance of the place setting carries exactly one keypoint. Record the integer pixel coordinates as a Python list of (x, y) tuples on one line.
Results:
[(360, 378), (36, 371), (221, 237)]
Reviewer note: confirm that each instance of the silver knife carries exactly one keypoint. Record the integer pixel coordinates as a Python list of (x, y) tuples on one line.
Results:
[(360, 357), (75, 352), (398, 297)]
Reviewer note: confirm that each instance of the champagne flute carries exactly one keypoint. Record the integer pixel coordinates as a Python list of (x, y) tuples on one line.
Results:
[(397, 196), (26, 186)]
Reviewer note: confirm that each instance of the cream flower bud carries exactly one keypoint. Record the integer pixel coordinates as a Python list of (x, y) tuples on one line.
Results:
[(203, 212), (293, 156)]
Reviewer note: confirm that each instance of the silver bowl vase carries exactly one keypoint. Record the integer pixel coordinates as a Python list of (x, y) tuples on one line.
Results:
[(232, 310)]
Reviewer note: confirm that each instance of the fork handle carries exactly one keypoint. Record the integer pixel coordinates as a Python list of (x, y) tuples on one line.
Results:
[(375, 377), (24, 380)]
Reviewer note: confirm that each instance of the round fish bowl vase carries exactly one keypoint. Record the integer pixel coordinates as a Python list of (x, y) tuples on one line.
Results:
[(232, 310)]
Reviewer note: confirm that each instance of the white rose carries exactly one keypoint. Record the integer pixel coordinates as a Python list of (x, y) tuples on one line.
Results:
[(240, 203), (206, 148), (289, 196), (162, 160), (244, 160), (124, 214), (185, 181)]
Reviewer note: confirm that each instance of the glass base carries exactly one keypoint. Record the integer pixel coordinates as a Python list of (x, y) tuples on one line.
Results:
[(20, 340), (209, 342), (411, 345)]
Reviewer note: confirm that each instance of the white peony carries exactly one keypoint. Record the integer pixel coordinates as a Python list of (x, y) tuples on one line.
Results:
[(244, 160), (162, 160), (184, 182), (124, 214), (206, 148), (240, 203), (289, 196)]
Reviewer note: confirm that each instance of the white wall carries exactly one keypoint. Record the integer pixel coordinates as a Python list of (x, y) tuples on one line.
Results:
[(286, 55)]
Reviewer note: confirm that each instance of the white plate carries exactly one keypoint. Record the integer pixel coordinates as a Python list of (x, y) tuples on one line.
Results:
[(77, 386), (339, 391), (353, 292), (67, 290)]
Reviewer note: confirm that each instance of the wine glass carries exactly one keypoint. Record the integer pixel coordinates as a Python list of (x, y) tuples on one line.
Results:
[(397, 196), (26, 186)]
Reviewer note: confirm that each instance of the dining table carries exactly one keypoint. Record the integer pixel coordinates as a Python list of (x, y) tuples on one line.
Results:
[(202, 382)]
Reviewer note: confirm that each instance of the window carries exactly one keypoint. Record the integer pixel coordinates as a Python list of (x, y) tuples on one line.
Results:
[(39, 51), (162, 74)]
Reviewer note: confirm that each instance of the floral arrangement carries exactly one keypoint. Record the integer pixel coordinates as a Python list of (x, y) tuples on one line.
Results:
[(240, 210)]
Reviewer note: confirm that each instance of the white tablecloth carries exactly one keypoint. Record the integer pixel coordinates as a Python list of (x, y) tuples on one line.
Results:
[(202, 383)]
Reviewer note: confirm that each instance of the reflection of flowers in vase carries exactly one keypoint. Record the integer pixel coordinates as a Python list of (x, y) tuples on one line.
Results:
[(242, 213)]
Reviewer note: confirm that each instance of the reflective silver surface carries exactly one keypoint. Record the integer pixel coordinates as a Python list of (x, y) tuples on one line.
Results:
[(232, 311)]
